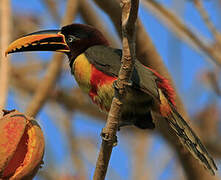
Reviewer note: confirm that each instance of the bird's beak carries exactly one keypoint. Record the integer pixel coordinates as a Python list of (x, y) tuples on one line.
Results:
[(50, 40)]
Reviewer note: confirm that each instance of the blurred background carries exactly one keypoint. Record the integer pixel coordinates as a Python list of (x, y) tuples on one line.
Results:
[(185, 35)]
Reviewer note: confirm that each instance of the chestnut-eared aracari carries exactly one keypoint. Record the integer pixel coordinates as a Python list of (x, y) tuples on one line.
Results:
[(95, 66)]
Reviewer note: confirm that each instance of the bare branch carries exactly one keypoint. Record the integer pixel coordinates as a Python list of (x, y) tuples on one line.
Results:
[(129, 16), (5, 20)]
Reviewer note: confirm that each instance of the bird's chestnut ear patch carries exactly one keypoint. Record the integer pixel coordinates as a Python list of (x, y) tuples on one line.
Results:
[(21, 146)]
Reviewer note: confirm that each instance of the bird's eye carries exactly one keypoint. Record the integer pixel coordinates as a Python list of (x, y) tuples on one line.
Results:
[(72, 38)]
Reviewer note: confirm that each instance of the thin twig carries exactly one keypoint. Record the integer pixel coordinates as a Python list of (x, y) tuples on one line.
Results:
[(5, 31), (54, 68), (129, 16)]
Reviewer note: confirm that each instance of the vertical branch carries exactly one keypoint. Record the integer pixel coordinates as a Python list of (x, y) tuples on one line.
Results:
[(129, 16), (54, 69), (5, 32)]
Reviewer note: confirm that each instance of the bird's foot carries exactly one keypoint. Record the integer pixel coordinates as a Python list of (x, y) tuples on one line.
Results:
[(119, 89), (110, 138)]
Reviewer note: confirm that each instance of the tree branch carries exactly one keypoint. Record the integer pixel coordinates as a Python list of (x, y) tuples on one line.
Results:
[(129, 16), (5, 31)]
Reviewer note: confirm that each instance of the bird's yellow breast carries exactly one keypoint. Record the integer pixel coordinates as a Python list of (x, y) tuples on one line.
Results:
[(93, 82), (82, 72), (99, 86)]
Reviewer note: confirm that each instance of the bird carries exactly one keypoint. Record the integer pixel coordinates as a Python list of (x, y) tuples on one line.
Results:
[(95, 66)]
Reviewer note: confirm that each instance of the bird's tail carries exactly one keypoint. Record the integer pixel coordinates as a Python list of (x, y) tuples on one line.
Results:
[(190, 140)]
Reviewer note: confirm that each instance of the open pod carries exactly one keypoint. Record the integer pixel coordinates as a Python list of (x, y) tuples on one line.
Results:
[(21, 146)]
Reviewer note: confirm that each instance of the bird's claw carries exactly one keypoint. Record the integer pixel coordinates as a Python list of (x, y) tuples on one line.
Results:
[(129, 84), (126, 84), (115, 85), (111, 139)]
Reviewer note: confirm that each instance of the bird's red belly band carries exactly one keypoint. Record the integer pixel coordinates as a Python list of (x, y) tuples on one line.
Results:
[(98, 81)]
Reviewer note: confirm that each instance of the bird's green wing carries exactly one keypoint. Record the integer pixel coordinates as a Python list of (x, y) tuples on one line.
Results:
[(108, 60)]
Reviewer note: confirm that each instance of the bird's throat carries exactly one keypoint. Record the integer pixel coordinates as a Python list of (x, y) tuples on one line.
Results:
[(82, 69)]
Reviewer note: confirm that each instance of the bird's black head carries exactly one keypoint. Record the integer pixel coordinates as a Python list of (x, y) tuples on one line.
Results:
[(72, 39), (79, 37)]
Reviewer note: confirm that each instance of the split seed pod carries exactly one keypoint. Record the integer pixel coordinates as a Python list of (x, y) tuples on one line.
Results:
[(21, 146)]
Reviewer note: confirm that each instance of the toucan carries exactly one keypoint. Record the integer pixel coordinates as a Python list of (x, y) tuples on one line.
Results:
[(95, 66)]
